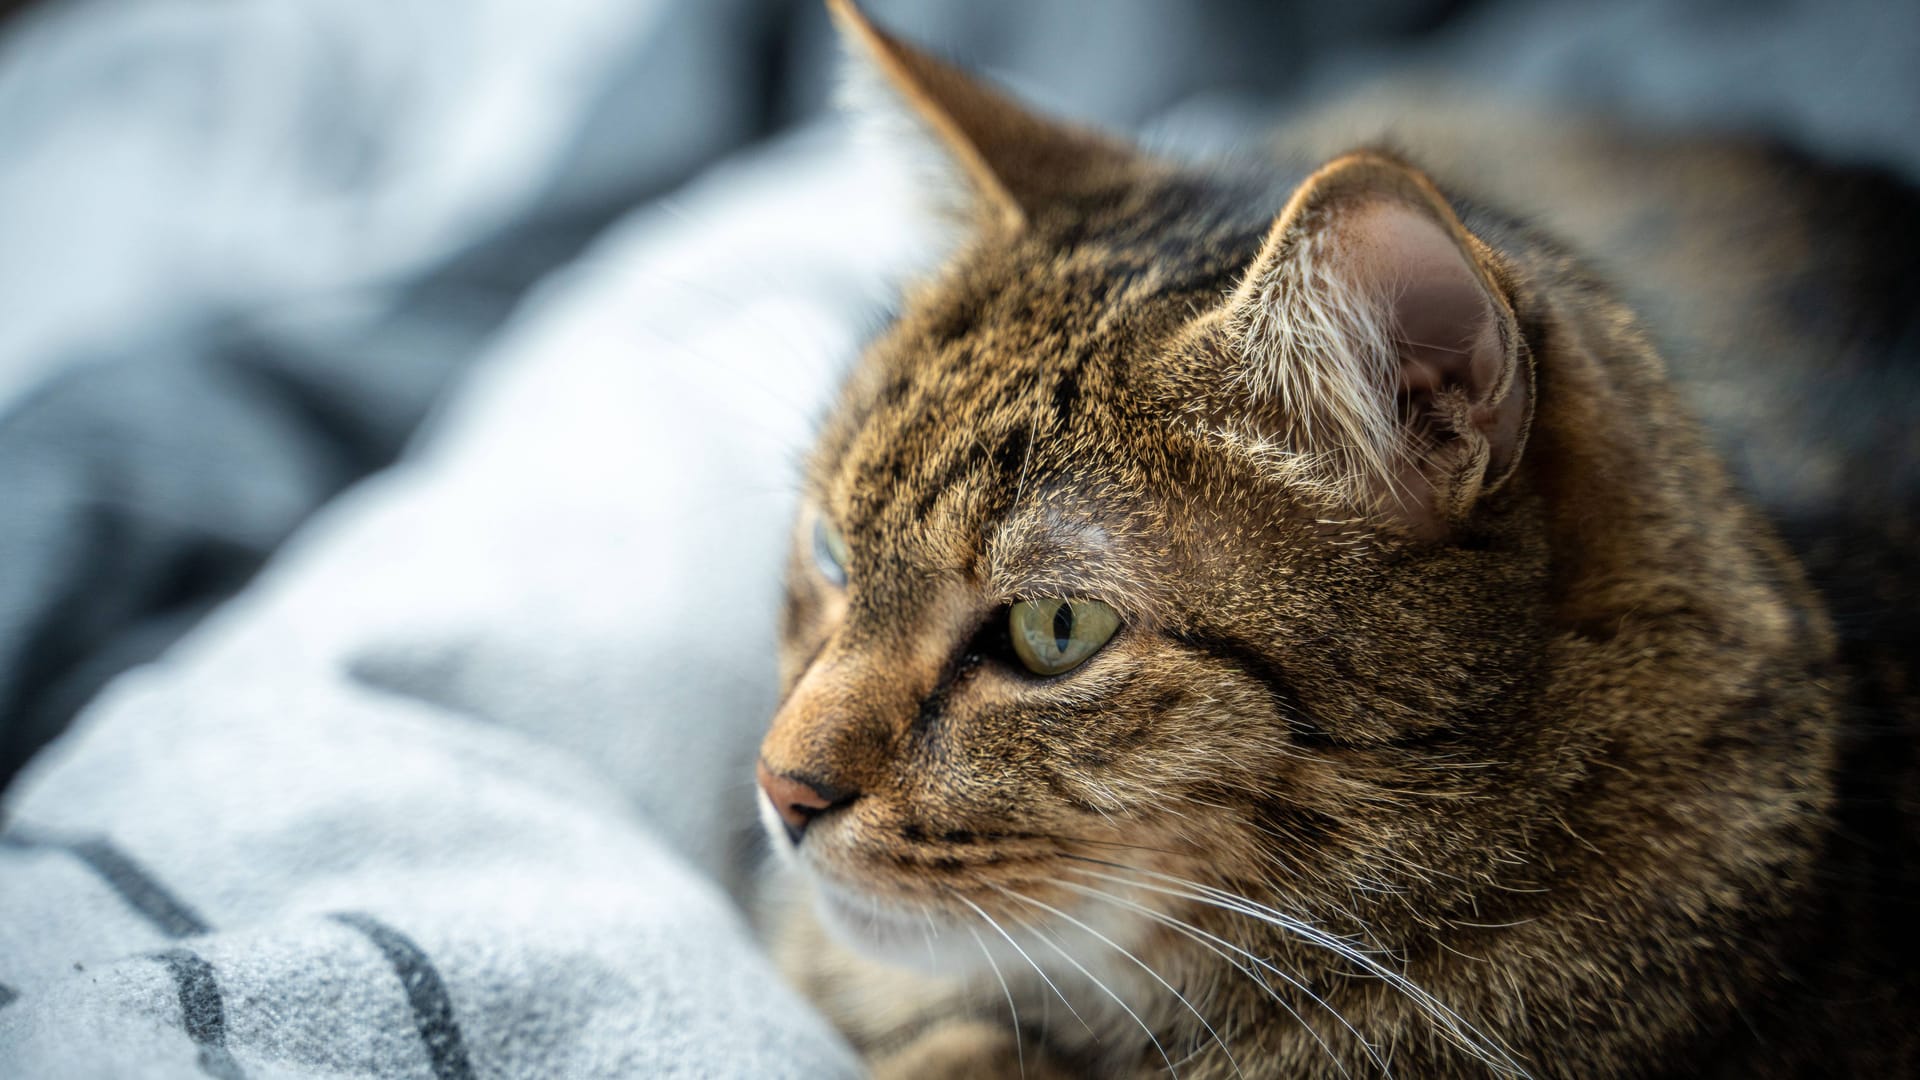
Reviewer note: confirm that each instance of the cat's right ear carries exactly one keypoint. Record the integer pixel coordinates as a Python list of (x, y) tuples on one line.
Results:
[(1012, 161), (1371, 351)]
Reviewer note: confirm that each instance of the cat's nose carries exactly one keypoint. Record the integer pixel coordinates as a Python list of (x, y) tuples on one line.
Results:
[(799, 801)]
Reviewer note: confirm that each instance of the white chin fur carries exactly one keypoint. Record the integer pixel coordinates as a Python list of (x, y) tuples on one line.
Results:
[(918, 939)]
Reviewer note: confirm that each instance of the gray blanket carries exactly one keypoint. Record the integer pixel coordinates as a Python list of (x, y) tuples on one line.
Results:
[(451, 790)]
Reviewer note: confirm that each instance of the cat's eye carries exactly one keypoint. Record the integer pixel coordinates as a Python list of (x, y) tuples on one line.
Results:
[(1055, 636), (830, 551)]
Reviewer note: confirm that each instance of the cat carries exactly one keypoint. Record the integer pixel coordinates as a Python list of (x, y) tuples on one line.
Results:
[(1254, 621)]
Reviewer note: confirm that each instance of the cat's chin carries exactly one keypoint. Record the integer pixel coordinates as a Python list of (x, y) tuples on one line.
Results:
[(943, 944), (919, 939)]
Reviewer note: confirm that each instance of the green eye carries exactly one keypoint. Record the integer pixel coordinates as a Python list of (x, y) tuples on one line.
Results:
[(830, 551), (1053, 636)]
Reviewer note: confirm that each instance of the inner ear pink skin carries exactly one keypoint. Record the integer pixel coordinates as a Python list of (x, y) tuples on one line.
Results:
[(1442, 319), (1445, 326)]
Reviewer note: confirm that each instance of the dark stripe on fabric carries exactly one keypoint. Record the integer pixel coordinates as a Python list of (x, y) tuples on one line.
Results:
[(8, 995), (139, 889), (203, 1011), (426, 994)]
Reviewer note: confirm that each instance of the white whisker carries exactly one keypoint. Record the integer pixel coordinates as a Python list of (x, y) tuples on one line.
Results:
[(1449, 1023), (1105, 989), (1023, 955), (1012, 1009), (1209, 941), (1123, 951)]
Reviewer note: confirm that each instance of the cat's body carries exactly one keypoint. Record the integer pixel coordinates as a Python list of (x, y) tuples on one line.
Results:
[(1463, 717)]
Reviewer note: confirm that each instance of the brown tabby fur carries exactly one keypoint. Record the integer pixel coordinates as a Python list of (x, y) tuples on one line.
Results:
[(1564, 746)]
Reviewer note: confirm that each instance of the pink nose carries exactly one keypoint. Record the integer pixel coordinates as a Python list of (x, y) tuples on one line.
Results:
[(799, 801)]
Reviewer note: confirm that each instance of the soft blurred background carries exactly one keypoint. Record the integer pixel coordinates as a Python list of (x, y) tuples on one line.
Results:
[(245, 247), (585, 269)]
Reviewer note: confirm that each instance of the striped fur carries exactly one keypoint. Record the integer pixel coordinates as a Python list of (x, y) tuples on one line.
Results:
[(1532, 773)]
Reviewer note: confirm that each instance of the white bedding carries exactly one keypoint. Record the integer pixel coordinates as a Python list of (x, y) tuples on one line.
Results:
[(492, 716)]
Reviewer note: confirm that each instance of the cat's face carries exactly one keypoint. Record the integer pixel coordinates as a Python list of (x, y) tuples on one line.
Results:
[(1019, 457), (1140, 556)]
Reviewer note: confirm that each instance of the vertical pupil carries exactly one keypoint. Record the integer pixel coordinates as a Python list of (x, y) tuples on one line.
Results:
[(1062, 626)]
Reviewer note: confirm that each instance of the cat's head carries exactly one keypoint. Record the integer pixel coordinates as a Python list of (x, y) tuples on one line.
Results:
[(1178, 528)]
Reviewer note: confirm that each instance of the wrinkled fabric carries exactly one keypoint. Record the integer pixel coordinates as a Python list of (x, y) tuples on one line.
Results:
[(462, 776)]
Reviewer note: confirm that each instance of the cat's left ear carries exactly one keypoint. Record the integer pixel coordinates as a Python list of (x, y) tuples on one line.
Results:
[(1014, 161), (1374, 340)]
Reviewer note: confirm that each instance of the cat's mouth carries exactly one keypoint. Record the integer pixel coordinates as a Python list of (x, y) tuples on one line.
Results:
[(951, 914), (967, 937), (923, 932), (954, 931)]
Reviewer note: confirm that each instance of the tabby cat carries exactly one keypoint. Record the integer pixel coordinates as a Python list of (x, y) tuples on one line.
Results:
[(1249, 621)]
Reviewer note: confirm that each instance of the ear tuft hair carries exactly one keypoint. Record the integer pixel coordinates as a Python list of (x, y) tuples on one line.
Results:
[(1374, 352), (1317, 349)]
